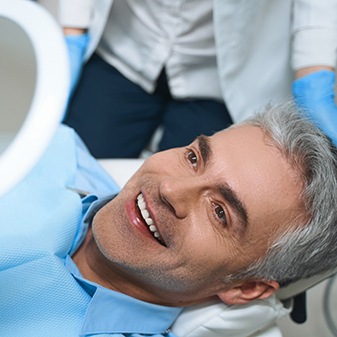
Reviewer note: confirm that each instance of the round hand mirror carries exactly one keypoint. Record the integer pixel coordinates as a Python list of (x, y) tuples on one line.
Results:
[(34, 86)]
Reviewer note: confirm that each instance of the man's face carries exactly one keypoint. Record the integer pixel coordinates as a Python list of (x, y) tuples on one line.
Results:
[(209, 210)]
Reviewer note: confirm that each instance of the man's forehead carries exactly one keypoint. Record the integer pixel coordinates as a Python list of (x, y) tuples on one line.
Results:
[(239, 135), (261, 177)]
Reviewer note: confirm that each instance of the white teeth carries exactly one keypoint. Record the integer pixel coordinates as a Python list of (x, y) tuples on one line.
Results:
[(141, 204), (153, 228), (146, 215)]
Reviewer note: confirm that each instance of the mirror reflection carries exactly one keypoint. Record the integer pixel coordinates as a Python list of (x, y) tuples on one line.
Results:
[(17, 80)]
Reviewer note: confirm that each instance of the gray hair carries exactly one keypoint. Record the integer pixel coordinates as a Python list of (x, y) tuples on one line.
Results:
[(308, 247)]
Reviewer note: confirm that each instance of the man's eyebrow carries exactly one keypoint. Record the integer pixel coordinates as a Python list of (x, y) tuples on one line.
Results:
[(227, 193), (204, 148), (232, 198)]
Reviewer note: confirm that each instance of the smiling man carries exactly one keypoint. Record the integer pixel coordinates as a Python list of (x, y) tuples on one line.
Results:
[(234, 216), (190, 216)]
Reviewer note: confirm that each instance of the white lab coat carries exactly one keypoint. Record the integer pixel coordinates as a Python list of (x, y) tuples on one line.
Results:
[(259, 44)]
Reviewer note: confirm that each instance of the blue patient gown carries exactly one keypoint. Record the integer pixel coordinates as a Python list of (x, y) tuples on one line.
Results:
[(40, 224)]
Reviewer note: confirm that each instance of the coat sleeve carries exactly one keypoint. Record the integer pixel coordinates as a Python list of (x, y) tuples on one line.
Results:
[(314, 33), (75, 13), (90, 14)]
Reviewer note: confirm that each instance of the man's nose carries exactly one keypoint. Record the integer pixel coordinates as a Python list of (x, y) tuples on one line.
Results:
[(179, 194)]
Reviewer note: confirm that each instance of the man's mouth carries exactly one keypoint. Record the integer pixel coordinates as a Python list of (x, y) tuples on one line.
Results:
[(148, 220)]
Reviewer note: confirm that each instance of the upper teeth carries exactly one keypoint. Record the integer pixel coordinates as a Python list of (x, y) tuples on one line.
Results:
[(146, 215)]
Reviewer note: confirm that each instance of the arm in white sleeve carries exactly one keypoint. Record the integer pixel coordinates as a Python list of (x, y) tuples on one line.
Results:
[(314, 33), (75, 13)]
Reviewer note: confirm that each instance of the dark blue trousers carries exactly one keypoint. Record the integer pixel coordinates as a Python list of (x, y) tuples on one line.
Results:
[(117, 119)]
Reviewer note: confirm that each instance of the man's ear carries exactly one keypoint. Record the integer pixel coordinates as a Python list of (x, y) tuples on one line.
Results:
[(248, 291)]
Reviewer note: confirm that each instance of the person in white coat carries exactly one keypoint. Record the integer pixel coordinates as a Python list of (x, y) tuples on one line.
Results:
[(245, 54)]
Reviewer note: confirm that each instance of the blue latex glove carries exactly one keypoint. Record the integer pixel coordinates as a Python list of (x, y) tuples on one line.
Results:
[(314, 93), (76, 45)]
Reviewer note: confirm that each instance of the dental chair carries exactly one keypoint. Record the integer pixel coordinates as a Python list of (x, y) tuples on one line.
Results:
[(34, 85)]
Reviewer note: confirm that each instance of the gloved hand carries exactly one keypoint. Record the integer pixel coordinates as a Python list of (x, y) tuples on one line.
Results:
[(76, 45), (314, 93)]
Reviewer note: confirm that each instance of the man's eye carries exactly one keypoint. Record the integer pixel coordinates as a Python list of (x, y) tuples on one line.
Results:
[(220, 213), (192, 158)]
